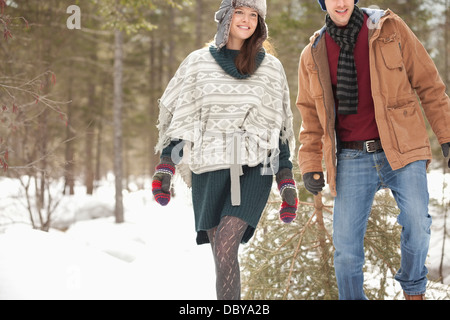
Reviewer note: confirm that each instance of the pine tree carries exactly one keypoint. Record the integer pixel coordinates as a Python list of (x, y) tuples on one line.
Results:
[(290, 261), (295, 261)]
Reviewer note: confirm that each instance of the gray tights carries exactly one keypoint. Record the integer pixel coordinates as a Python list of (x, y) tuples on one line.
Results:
[(225, 240)]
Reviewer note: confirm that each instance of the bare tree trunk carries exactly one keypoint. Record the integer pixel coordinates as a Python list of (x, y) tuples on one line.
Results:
[(199, 24), (153, 107), (171, 41), (98, 152), (89, 146), (69, 153), (118, 74), (41, 176), (99, 120)]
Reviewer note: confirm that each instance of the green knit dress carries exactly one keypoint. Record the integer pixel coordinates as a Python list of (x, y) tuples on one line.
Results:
[(211, 196)]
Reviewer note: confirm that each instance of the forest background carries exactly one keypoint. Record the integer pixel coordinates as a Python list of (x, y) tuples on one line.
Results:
[(79, 86)]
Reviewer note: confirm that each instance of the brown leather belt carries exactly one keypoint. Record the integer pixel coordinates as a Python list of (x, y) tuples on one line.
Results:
[(369, 145)]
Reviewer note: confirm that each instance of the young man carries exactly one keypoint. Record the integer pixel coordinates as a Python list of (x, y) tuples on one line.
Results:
[(359, 79)]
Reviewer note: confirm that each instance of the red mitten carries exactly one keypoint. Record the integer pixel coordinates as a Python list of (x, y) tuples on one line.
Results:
[(161, 182), (288, 192), (288, 212)]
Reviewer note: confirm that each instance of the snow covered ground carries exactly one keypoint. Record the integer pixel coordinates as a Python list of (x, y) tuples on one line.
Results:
[(152, 255)]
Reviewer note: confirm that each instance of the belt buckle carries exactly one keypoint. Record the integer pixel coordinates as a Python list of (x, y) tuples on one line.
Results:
[(368, 148)]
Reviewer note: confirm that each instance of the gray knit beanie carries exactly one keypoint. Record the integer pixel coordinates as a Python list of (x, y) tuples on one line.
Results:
[(225, 14), (324, 7)]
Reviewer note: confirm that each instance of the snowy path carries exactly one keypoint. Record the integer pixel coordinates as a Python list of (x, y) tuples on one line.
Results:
[(151, 256)]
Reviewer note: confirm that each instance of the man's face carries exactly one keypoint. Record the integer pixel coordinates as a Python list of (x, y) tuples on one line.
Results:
[(340, 11)]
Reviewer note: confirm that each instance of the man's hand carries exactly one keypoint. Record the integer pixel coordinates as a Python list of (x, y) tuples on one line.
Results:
[(314, 182)]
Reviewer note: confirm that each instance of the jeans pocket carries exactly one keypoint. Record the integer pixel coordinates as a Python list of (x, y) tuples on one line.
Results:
[(348, 154)]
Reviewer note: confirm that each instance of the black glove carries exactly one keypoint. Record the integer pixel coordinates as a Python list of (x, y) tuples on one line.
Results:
[(312, 184), (288, 191), (161, 181), (445, 148)]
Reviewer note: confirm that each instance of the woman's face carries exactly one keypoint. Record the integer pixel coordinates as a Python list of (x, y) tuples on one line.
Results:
[(243, 25)]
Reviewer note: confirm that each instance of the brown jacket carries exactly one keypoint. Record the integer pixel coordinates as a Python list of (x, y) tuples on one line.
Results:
[(403, 78)]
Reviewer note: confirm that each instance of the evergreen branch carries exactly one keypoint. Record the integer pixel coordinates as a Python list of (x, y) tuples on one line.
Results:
[(296, 252)]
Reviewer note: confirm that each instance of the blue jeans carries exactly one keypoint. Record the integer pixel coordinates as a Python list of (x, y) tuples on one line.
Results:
[(359, 176)]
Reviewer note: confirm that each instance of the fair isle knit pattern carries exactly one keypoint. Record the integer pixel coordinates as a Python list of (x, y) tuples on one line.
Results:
[(211, 111), (286, 184)]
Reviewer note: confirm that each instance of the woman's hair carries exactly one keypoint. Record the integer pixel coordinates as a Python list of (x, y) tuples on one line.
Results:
[(246, 60)]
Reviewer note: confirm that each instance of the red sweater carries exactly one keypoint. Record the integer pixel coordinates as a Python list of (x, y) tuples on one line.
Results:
[(360, 126)]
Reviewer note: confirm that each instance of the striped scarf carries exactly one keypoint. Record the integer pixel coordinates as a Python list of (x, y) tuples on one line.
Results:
[(347, 81)]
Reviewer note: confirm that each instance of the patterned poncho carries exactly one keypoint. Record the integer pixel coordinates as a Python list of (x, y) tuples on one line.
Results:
[(223, 120)]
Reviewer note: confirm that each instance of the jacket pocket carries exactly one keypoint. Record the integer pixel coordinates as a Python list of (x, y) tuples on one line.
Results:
[(315, 87), (391, 52), (408, 127)]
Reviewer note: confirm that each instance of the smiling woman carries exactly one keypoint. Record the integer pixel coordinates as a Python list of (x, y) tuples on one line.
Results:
[(228, 108), (246, 31), (243, 29)]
